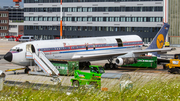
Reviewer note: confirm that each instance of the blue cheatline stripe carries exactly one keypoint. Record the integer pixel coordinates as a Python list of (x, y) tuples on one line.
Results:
[(29, 57), (92, 50), (39, 65)]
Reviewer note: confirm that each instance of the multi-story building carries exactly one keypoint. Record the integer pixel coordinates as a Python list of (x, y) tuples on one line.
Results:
[(16, 14), (173, 20), (4, 22), (91, 18), (16, 20), (11, 21)]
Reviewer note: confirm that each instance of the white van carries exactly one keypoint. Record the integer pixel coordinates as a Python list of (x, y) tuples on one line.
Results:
[(26, 38)]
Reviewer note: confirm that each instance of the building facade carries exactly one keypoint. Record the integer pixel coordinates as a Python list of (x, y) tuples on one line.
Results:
[(173, 20), (4, 22), (16, 28), (91, 18), (11, 21)]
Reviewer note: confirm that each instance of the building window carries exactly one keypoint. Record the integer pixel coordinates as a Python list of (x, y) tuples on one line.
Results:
[(89, 9), (54, 18), (35, 18), (26, 18), (31, 18), (89, 28), (79, 28), (69, 9), (84, 9), (74, 9), (111, 29), (49, 18), (40, 18), (45, 18)]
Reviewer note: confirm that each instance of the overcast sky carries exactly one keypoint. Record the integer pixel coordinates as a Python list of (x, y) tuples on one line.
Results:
[(9, 3)]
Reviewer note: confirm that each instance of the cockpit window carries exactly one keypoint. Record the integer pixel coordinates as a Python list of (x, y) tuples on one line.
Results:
[(17, 50)]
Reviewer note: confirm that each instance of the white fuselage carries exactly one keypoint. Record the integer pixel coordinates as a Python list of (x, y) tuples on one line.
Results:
[(67, 49)]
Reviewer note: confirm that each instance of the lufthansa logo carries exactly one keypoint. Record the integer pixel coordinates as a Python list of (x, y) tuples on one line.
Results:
[(160, 41)]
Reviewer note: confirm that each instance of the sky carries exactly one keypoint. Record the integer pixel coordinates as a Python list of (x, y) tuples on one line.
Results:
[(9, 3)]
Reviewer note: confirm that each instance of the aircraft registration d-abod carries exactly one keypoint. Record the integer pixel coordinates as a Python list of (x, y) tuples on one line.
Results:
[(124, 49)]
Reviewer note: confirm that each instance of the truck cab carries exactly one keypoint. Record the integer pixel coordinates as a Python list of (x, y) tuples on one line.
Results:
[(96, 69)]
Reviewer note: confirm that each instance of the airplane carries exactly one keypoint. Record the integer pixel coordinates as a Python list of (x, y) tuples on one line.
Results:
[(124, 49)]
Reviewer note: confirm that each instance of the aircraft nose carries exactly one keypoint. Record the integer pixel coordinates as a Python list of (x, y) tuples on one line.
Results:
[(8, 56)]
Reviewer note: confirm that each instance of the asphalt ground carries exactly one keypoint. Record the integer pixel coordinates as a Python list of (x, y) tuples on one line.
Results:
[(20, 76)]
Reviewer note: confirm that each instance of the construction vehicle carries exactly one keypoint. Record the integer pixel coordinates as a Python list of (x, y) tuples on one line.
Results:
[(174, 64), (85, 78)]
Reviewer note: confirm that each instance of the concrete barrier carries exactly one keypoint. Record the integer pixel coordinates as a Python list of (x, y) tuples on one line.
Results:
[(2, 76)]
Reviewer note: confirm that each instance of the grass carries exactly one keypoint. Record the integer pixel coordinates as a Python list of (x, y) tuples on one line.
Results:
[(164, 88)]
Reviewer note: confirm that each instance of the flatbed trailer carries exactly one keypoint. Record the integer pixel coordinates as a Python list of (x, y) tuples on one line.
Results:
[(144, 61)]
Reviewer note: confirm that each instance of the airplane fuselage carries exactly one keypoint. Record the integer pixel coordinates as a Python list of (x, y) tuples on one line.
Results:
[(69, 49)]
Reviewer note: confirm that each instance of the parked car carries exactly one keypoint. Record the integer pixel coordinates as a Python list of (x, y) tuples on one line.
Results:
[(10, 39), (26, 38)]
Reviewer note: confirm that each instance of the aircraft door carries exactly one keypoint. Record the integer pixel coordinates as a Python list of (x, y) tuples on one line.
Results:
[(119, 41), (30, 48)]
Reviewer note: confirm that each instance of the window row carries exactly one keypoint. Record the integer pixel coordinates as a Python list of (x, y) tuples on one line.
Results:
[(98, 19), (12, 26), (58, 1), (3, 15), (3, 21), (91, 28), (96, 9), (3, 27), (3, 34)]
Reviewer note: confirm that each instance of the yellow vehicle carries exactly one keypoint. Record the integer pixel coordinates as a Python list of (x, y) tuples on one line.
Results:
[(174, 65), (167, 44)]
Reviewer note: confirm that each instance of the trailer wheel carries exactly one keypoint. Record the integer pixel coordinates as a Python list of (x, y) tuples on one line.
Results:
[(75, 83), (164, 67)]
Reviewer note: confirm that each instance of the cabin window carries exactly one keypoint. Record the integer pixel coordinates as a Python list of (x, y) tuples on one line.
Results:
[(17, 50), (119, 42)]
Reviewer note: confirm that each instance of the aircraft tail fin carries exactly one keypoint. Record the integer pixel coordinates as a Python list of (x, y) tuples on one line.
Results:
[(160, 37)]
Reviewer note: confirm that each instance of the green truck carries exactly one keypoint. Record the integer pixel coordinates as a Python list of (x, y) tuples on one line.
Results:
[(86, 78)]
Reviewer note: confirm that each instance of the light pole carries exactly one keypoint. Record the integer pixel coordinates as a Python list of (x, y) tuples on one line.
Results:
[(61, 21)]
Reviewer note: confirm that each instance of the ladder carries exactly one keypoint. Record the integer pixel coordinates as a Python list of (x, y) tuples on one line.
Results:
[(41, 60)]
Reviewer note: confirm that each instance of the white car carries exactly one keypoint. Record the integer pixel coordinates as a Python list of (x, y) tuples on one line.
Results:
[(146, 44), (26, 38)]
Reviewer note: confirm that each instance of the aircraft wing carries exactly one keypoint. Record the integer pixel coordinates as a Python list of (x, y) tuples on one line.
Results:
[(159, 51), (107, 55), (97, 56)]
